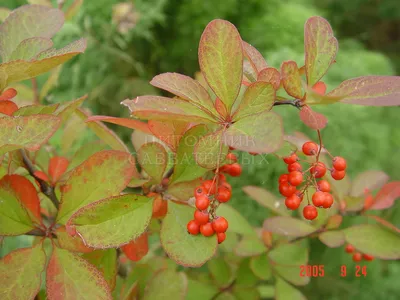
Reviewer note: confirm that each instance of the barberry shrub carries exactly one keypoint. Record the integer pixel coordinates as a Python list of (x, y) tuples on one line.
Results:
[(104, 229)]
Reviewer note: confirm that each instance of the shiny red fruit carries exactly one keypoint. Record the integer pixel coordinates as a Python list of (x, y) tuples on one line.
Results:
[(368, 257), (338, 175), (221, 178), (310, 148), (323, 186), (357, 257), (318, 199), (220, 224), (286, 189), (201, 217), (291, 159), (234, 170), (349, 248), (232, 157), (328, 201), (310, 212), (295, 178), (339, 163), (224, 194), (206, 229), (199, 191), (221, 237), (293, 202), (294, 167), (202, 202), (209, 187), (193, 227), (227, 185), (318, 170), (283, 178)]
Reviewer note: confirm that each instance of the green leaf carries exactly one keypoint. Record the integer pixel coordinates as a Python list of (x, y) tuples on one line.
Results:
[(31, 47), (285, 291), (220, 271), (35, 110), (354, 203), (237, 223), (262, 133), (85, 152), (182, 247), (250, 246), (291, 79), (209, 152), (21, 272), (186, 168), (69, 276), (374, 240), (314, 98), (199, 290), (106, 262), (26, 132), (255, 58), (261, 267), (270, 75), (266, 199), (267, 291), (221, 60), (102, 175), (183, 190), (163, 108), (112, 222), (153, 158), (65, 110), (332, 239), (370, 90), (70, 243), (258, 98), (320, 48), (245, 276), (370, 180), (50, 83), (167, 284), (225, 296), (288, 226)]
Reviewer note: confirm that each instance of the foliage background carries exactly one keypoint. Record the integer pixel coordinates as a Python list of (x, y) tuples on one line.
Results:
[(163, 37)]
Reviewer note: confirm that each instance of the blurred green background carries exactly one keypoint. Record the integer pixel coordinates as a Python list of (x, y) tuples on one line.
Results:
[(131, 41)]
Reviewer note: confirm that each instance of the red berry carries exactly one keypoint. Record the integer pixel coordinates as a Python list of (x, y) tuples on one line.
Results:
[(295, 178), (283, 178), (328, 201), (221, 237), (201, 217), (220, 224), (310, 148), (227, 185), (319, 87), (323, 186), (338, 175), (291, 159), (339, 163), (300, 195), (286, 189), (234, 170), (224, 194), (199, 191), (349, 248), (221, 178), (310, 212), (294, 167), (368, 257), (318, 170), (253, 153), (202, 202), (318, 199), (193, 227), (232, 157), (206, 229), (357, 257), (209, 187), (293, 202)]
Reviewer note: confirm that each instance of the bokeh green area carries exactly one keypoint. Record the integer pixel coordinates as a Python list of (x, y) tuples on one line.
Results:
[(157, 36)]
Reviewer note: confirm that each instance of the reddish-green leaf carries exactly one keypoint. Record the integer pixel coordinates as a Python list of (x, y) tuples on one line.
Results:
[(332, 239), (290, 76), (320, 48), (170, 132), (221, 60), (384, 223), (288, 226), (262, 133), (270, 75), (312, 119), (85, 152), (313, 97), (334, 222), (31, 47), (154, 159), (65, 110), (29, 110), (374, 240), (104, 174), (112, 222), (57, 167), (26, 132), (370, 180), (8, 94), (258, 98), (71, 243), (129, 123), (250, 246), (266, 199), (183, 190), (370, 90), (106, 262), (387, 195), (136, 249), (354, 203), (163, 108), (285, 291), (20, 273), (167, 284), (185, 88), (210, 152), (69, 277), (255, 58), (8, 107), (182, 247)]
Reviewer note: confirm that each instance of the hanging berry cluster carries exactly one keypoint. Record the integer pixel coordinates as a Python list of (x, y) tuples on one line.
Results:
[(208, 196), (294, 184), (358, 256)]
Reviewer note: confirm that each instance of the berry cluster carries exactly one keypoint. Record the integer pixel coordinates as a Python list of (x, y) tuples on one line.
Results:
[(358, 256), (289, 184), (208, 196)]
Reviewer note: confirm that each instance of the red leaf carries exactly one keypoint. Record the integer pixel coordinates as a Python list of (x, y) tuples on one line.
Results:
[(138, 248), (220, 107), (319, 88), (169, 132), (57, 167), (387, 195), (271, 75), (70, 242), (384, 223), (8, 94), (160, 206), (8, 107), (291, 79), (129, 123), (25, 192), (312, 119), (257, 61), (41, 175)]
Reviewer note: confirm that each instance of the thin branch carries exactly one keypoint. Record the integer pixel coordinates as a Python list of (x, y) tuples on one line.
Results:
[(44, 186), (36, 232), (296, 103)]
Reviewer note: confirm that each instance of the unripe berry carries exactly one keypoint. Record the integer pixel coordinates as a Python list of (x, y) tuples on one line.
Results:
[(209, 187), (202, 202), (349, 248), (318, 170), (368, 257), (338, 175), (286, 189), (293, 202), (318, 199), (220, 224), (221, 236), (224, 194), (294, 167), (328, 201), (291, 159), (339, 163), (232, 157), (193, 227), (323, 186), (201, 217), (310, 212), (310, 148), (283, 178), (357, 257), (206, 229), (234, 170), (295, 178)]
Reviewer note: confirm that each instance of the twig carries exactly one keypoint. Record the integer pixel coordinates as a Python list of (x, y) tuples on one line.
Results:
[(35, 91), (36, 232), (295, 103), (228, 288), (44, 186)]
